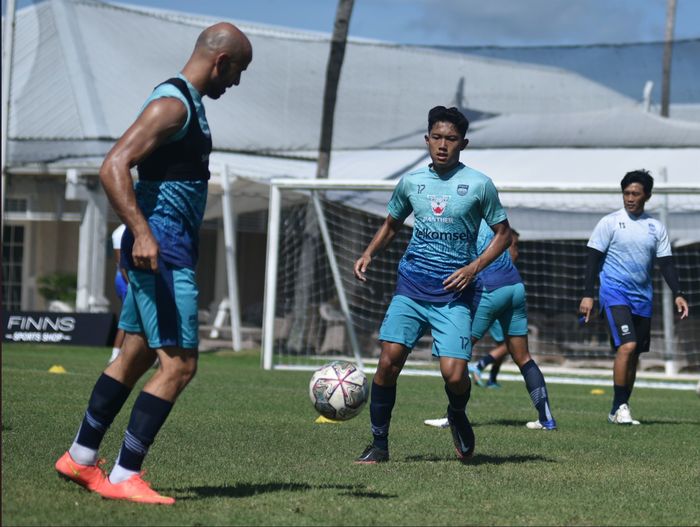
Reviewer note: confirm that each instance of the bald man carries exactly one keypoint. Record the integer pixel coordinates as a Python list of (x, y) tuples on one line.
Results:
[(170, 144)]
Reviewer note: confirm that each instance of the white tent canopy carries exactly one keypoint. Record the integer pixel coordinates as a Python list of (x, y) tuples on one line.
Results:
[(81, 70), (532, 213)]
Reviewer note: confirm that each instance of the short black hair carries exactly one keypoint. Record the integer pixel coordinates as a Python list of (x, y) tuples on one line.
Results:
[(641, 176), (452, 115)]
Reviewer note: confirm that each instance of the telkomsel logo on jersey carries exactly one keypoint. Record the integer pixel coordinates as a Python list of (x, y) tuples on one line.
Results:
[(438, 203), (427, 234)]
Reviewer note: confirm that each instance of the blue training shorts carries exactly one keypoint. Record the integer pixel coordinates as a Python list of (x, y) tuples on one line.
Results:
[(406, 321), (496, 332), (162, 306), (505, 305)]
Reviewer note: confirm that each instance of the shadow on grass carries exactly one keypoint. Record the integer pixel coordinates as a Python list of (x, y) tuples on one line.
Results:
[(501, 422), (245, 490), (654, 422), (483, 459), (495, 422)]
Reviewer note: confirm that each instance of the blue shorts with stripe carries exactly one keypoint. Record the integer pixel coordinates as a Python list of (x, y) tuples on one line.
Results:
[(626, 327), (162, 306), (505, 305), (406, 321)]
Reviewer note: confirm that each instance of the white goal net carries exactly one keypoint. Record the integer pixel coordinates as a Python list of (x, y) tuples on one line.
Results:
[(315, 310)]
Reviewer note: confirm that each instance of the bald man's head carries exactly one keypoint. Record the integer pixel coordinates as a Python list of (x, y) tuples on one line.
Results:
[(224, 38), (221, 54)]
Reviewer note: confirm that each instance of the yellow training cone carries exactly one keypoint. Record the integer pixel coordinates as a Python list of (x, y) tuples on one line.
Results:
[(57, 368), (324, 420), (597, 391)]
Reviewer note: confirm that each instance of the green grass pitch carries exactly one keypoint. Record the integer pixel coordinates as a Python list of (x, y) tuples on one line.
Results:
[(241, 448)]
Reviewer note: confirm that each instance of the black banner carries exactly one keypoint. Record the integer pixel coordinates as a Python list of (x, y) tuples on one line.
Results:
[(43, 327)]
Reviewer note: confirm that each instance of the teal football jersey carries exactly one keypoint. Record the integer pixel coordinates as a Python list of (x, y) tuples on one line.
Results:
[(447, 210)]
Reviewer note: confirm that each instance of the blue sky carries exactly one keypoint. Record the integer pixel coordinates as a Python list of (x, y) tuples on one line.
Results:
[(463, 22)]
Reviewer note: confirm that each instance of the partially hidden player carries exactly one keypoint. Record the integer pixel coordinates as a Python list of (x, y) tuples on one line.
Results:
[(502, 298), (494, 358), (121, 285)]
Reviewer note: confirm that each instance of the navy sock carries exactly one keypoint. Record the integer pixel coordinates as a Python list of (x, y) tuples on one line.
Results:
[(457, 415), (457, 406), (621, 396), (493, 374), (458, 402), (380, 406), (536, 387), (147, 418), (108, 397), (484, 361)]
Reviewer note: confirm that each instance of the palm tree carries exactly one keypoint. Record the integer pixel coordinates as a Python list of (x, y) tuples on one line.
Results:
[(335, 64), (668, 50)]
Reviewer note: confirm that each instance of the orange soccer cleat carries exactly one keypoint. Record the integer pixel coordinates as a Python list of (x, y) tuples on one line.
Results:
[(89, 476), (134, 489)]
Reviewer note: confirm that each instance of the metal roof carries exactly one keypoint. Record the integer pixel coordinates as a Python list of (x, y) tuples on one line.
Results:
[(83, 68)]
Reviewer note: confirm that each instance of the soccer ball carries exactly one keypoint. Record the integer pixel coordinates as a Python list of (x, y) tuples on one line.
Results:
[(338, 390)]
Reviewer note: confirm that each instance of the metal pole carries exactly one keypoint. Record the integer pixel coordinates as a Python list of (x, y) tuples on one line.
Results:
[(528, 187), (670, 366), (335, 271), (231, 270), (273, 238), (8, 47)]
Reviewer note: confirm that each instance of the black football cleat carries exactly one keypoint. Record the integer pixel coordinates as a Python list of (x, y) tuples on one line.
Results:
[(372, 455), (463, 439)]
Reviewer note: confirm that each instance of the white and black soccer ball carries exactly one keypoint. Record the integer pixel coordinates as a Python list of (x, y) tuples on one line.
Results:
[(339, 390)]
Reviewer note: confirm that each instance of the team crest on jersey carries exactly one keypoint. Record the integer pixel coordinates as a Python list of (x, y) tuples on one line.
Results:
[(462, 189), (438, 204), (652, 228)]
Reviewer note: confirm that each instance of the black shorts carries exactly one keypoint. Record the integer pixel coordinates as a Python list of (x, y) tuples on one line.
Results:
[(625, 327)]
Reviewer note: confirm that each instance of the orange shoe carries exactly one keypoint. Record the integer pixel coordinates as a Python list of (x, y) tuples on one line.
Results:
[(89, 476), (133, 489)]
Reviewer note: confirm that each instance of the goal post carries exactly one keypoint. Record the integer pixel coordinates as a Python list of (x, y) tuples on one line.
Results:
[(315, 311)]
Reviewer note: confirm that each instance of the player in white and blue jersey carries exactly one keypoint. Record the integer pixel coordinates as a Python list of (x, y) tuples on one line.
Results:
[(501, 298), (435, 276), (170, 143), (622, 250)]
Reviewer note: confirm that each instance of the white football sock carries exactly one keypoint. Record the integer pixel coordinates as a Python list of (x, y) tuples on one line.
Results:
[(82, 454), (120, 473)]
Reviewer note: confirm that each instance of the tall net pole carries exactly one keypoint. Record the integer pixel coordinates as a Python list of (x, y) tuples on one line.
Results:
[(668, 52)]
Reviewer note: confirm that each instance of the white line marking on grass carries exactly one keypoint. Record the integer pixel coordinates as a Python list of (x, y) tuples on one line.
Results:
[(551, 379)]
